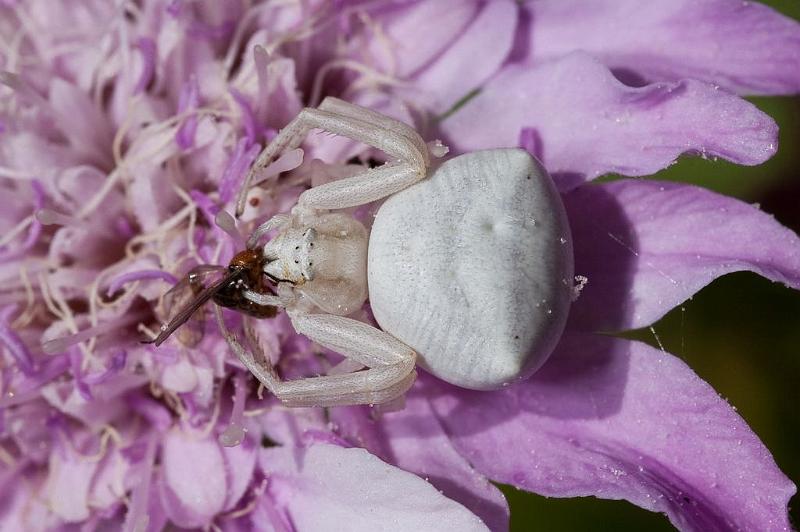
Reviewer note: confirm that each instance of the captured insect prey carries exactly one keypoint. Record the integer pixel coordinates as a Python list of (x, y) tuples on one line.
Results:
[(243, 273)]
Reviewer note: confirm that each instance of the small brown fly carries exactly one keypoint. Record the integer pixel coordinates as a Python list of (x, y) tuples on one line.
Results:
[(245, 272)]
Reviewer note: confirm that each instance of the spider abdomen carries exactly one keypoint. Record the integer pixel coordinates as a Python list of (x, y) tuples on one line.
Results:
[(473, 268)]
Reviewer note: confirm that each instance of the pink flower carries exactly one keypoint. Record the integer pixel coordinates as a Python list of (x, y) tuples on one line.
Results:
[(126, 127)]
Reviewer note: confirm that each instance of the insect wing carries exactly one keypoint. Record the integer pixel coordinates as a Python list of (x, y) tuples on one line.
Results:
[(183, 301)]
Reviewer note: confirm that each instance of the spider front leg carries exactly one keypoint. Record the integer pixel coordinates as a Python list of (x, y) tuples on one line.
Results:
[(279, 221), (390, 364), (285, 297), (399, 141)]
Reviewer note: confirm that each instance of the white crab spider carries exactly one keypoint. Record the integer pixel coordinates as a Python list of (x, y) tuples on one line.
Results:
[(469, 273)]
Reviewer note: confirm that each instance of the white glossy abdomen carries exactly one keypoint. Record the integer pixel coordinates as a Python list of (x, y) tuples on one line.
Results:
[(473, 268)]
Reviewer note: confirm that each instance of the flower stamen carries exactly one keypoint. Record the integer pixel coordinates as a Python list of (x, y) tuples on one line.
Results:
[(234, 434), (51, 217), (286, 162), (58, 345), (14, 344), (141, 275), (136, 520)]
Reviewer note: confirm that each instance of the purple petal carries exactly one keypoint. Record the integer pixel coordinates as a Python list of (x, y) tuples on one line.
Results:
[(105, 403), (326, 485), (240, 462), (188, 99), (248, 117), (11, 341), (618, 419), (589, 124), (646, 246), (105, 490), (174, 7), (466, 43), (152, 197), (206, 205), (285, 428), (35, 229), (468, 61), (147, 47), (240, 160), (414, 440), (194, 487), (419, 445), (179, 377), (144, 508), (34, 440), (29, 388), (157, 416), (746, 47), (24, 508), (407, 54), (218, 32), (154, 513), (277, 100), (116, 365), (68, 483), (91, 134), (80, 386)]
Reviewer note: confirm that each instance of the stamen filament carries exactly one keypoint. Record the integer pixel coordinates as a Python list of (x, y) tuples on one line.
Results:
[(137, 519), (16, 230), (14, 344), (288, 161), (235, 432), (59, 345), (51, 217), (226, 222), (142, 275)]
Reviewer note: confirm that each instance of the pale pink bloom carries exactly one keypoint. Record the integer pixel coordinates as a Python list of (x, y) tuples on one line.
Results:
[(126, 127)]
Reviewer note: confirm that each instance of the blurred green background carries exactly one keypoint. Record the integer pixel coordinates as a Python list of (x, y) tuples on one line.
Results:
[(741, 333)]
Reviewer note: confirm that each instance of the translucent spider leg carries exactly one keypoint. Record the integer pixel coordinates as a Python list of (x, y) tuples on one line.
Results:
[(335, 105), (390, 364), (276, 222), (397, 140)]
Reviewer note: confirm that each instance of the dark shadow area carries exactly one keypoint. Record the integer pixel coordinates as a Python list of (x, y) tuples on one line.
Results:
[(520, 49), (535, 512), (606, 247), (784, 202), (629, 77)]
